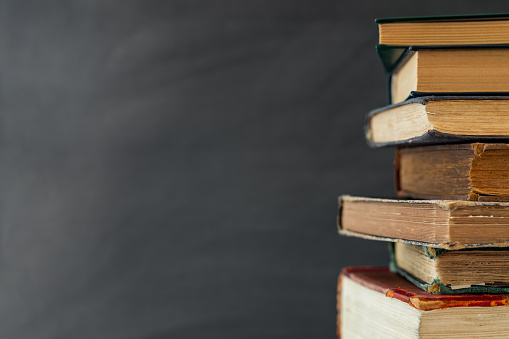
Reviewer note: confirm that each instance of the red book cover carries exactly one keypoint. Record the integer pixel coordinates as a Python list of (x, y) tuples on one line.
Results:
[(394, 286)]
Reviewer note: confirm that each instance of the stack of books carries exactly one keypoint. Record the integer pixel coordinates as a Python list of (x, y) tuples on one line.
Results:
[(448, 87)]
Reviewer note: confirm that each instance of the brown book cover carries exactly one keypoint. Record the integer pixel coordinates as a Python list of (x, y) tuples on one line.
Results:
[(475, 171), (448, 224)]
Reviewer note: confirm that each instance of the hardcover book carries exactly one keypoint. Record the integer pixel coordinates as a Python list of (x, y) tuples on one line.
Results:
[(478, 29), (432, 223), (440, 119), (476, 171), (454, 70), (376, 301), (481, 270)]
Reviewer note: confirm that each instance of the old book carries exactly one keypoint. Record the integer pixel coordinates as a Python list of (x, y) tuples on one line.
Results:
[(455, 70), (436, 270), (432, 223), (479, 29), (478, 171), (374, 302), (440, 119)]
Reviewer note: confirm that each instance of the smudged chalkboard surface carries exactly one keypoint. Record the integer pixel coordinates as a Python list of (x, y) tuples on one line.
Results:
[(169, 169)]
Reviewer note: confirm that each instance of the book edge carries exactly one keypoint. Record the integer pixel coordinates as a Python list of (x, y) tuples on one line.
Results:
[(446, 17)]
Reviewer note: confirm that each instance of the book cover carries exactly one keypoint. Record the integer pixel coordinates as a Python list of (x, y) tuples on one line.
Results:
[(432, 136), (383, 280), (375, 301), (436, 285), (480, 29), (436, 18), (475, 172), (445, 224), (392, 56)]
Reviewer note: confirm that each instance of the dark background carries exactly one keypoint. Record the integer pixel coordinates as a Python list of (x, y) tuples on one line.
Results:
[(170, 169)]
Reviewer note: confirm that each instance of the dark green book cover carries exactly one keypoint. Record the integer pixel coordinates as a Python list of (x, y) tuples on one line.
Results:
[(436, 286), (390, 55), (454, 17)]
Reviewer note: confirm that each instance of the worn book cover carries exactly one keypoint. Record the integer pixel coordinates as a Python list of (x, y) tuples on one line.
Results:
[(476, 172), (440, 119), (445, 224), (426, 314), (438, 286)]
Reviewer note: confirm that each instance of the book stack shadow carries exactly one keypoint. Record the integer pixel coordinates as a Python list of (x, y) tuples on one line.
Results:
[(448, 228)]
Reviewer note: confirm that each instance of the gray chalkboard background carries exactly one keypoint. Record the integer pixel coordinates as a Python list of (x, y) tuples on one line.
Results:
[(169, 169)]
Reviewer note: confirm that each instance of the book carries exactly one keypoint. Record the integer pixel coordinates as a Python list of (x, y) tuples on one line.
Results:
[(450, 70), (477, 171), (480, 270), (440, 119), (377, 301), (478, 29), (432, 223)]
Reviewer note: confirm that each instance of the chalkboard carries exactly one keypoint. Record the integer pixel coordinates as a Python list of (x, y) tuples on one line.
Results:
[(170, 169)]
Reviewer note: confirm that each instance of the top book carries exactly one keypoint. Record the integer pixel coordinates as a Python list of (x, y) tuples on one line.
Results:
[(479, 29)]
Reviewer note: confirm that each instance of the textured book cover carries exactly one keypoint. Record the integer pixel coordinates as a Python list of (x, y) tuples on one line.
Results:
[(377, 302), (436, 285), (383, 280), (448, 224), (476, 172)]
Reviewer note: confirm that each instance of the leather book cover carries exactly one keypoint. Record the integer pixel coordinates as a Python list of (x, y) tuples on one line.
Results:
[(395, 286)]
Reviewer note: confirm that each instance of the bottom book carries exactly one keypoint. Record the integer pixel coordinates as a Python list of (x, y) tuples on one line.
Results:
[(375, 302)]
